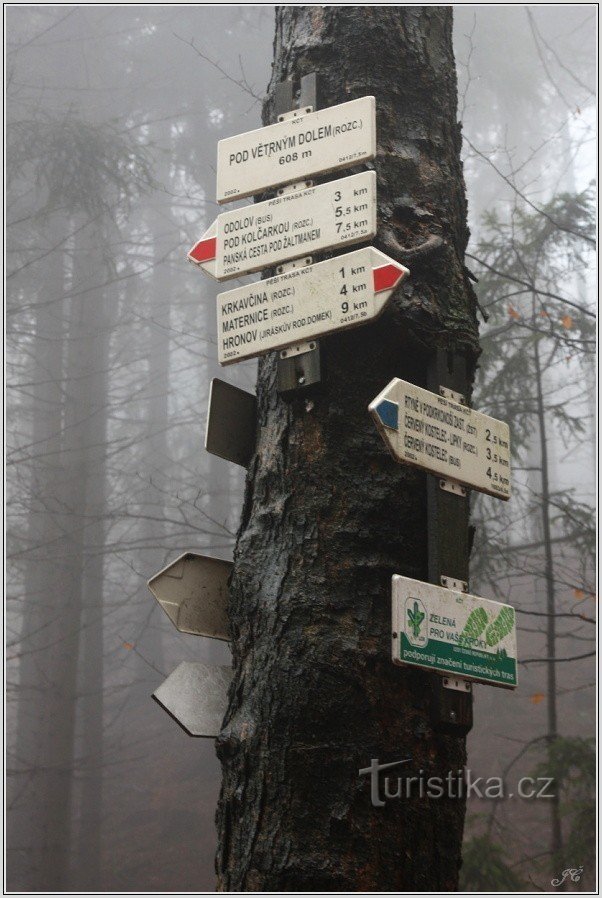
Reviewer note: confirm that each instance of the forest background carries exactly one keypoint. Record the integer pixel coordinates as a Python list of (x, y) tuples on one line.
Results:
[(113, 115)]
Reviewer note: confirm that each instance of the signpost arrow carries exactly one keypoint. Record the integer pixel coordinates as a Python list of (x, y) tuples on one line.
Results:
[(337, 137), (196, 696), (193, 592), (439, 435), (305, 303), (244, 240), (453, 632)]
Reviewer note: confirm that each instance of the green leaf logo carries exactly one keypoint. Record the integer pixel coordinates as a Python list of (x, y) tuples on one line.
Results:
[(415, 624), (415, 618), (474, 626), (500, 627)]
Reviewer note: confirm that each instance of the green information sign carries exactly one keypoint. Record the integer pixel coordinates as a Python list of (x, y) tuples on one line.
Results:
[(453, 632)]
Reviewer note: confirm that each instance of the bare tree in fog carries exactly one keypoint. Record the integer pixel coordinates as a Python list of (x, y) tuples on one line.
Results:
[(532, 260), (85, 176), (108, 348), (527, 377)]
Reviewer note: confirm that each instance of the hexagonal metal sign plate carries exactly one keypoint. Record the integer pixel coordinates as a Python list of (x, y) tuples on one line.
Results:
[(196, 696), (193, 592)]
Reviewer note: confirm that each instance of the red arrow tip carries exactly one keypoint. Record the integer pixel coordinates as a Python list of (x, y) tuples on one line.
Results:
[(386, 277), (203, 251)]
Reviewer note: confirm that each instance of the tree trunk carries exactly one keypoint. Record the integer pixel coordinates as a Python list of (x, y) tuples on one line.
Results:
[(78, 498), (41, 628), (100, 314), (152, 531), (329, 517), (556, 844), (61, 658)]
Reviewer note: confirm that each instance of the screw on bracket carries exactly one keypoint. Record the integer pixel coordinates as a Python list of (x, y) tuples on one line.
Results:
[(453, 583), (450, 486)]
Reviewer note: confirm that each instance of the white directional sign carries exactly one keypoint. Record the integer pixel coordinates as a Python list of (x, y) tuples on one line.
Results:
[(329, 139), (427, 431), (305, 303), (453, 632), (196, 696), (244, 240), (193, 592)]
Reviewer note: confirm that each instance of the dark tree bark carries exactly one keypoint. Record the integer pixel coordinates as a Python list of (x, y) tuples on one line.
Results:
[(329, 517)]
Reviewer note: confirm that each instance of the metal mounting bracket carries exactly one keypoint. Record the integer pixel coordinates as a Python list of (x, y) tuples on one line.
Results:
[(450, 486), (452, 583), (453, 395), (293, 188), (458, 684), (298, 349), (294, 113), (295, 263), (448, 511), (298, 367)]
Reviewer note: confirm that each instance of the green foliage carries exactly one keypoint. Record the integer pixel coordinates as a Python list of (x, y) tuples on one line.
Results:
[(485, 868)]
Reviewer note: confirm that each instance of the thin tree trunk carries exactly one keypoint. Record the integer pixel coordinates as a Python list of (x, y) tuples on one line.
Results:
[(99, 320), (329, 517), (61, 663), (41, 627), (588, 360), (218, 487), (552, 734), (153, 531), (82, 460)]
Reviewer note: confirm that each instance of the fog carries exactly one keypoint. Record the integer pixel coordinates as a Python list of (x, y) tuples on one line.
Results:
[(113, 115)]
